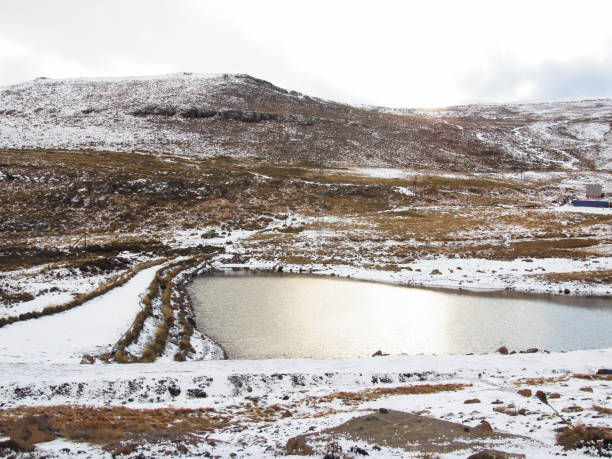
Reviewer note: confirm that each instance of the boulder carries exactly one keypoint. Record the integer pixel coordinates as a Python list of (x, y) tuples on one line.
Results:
[(484, 426), (503, 350), (87, 359), (525, 392), (298, 446)]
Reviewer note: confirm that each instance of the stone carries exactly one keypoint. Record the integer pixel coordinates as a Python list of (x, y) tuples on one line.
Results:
[(298, 446), (174, 390), (472, 400), (532, 350), (196, 393), (87, 359), (525, 392), (586, 389), (359, 451), (503, 350), (12, 445), (484, 426), (27, 431), (123, 450)]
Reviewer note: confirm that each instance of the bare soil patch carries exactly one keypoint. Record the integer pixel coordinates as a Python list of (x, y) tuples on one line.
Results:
[(411, 432)]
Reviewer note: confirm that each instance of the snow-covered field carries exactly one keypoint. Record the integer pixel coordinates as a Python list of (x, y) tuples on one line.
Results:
[(39, 357), (423, 225)]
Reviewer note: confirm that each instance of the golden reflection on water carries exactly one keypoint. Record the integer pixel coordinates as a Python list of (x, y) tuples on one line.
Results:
[(305, 316)]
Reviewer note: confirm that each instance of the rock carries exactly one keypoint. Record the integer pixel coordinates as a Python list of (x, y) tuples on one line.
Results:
[(484, 426), (554, 395), (12, 445), (27, 431), (198, 113), (503, 350), (298, 446), (525, 392), (383, 410), (358, 450), (87, 359), (123, 450), (586, 389), (471, 400), (378, 353), (494, 454), (497, 402), (174, 391), (196, 393), (532, 350), (604, 371)]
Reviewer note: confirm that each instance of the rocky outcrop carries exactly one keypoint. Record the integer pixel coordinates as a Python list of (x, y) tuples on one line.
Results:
[(155, 110), (247, 116), (198, 113)]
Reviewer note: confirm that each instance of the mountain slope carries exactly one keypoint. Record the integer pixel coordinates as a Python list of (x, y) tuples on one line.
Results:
[(238, 115)]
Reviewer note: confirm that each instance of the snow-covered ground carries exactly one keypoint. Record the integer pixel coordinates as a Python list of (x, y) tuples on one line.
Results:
[(492, 379), (39, 367), (91, 328)]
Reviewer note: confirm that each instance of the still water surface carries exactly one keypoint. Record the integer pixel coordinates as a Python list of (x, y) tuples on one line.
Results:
[(255, 316)]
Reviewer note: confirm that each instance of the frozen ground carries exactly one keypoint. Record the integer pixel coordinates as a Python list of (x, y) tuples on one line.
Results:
[(304, 386), (39, 367), (92, 328)]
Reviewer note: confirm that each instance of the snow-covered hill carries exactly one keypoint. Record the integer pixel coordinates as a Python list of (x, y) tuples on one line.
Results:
[(238, 115)]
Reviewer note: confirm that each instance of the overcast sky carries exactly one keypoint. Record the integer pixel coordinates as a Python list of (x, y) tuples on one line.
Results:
[(391, 53)]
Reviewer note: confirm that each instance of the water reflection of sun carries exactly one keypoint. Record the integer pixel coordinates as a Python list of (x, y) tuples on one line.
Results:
[(291, 316)]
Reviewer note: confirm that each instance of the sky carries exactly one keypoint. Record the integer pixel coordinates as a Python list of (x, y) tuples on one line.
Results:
[(390, 53)]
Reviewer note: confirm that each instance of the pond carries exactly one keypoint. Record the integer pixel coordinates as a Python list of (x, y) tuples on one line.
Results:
[(259, 316)]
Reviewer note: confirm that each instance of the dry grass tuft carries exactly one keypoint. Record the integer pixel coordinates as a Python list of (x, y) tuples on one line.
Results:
[(540, 381), (375, 394), (114, 282), (593, 377), (104, 425), (595, 439)]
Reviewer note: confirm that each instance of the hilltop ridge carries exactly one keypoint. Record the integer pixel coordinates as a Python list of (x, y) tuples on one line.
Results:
[(199, 115)]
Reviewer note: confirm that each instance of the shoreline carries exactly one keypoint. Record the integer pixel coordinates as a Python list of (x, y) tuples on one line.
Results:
[(379, 276)]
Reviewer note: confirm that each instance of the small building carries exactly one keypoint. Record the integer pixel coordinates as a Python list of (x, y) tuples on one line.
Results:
[(594, 191)]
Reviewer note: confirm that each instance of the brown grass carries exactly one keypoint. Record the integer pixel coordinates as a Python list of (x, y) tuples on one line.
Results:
[(104, 425), (352, 398), (602, 409), (114, 282), (593, 377), (596, 439), (540, 381), (600, 276)]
